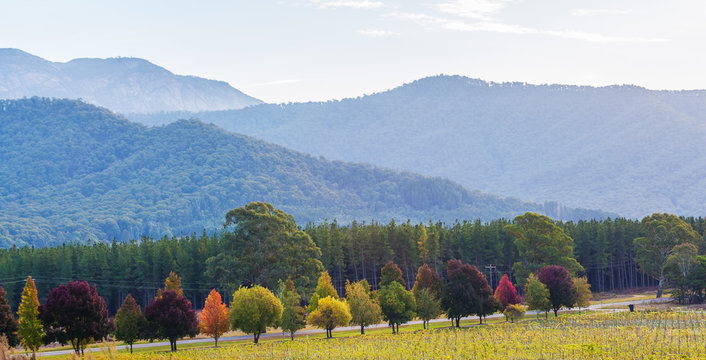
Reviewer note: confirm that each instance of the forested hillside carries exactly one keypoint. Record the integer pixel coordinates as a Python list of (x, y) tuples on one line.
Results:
[(72, 172), (623, 149), (121, 84)]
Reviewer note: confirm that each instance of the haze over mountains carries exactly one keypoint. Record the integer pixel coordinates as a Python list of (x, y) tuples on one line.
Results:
[(120, 84), (73, 172), (622, 149)]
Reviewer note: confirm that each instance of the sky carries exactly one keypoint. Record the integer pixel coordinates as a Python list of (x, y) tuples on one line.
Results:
[(315, 50)]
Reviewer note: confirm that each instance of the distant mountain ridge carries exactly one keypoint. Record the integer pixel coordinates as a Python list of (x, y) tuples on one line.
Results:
[(623, 149), (120, 84), (74, 172)]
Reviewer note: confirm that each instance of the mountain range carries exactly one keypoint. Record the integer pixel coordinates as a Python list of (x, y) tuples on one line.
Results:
[(74, 172), (120, 84), (623, 149)]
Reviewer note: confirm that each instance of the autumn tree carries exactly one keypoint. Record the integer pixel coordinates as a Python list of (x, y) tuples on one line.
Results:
[(129, 321), (428, 278), (330, 314), (171, 317), (539, 243), (397, 304), (514, 312), (30, 329), (293, 314), (265, 246), (458, 294), (253, 309), (560, 285), (172, 282), (428, 306), (324, 288), (485, 303), (537, 295), (389, 273), (74, 313), (364, 310), (214, 318), (506, 294), (8, 323), (663, 233), (583, 293)]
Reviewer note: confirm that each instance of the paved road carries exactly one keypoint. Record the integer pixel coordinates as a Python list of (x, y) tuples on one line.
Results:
[(318, 331)]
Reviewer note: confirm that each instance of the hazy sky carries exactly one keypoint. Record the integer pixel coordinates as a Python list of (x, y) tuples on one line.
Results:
[(302, 50)]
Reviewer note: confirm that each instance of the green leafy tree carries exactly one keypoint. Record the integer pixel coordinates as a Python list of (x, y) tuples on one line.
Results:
[(293, 314), (539, 243), (537, 295), (30, 329), (583, 293), (364, 310), (330, 314), (397, 304), (428, 306), (324, 288), (663, 233), (129, 322), (253, 309), (266, 246)]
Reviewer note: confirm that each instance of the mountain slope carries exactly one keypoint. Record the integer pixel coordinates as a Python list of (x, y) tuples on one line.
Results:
[(73, 172), (120, 84), (623, 149)]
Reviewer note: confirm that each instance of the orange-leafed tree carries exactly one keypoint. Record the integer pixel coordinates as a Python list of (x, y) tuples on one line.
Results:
[(214, 318), (506, 293)]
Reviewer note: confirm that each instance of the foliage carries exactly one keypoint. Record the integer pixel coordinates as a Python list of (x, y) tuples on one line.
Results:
[(129, 322), (171, 317), (397, 304), (540, 242), (323, 289), (30, 329), (8, 323), (389, 273), (214, 318), (562, 291), (506, 294), (330, 314), (583, 293), (265, 247), (293, 314), (466, 292), (537, 295), (428, 306), (429, 279), (364, 310), (173, 283), (663, 233), (514, 312), (253, 309)]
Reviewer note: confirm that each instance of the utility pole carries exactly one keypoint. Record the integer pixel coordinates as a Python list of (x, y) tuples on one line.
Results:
[(491, 269)]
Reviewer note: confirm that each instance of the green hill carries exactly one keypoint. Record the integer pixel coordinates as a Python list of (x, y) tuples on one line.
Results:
[(73, 172)]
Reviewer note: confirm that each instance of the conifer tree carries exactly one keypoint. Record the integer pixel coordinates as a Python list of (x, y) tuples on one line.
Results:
[(293, 314), (324, 288), (213, 319), (129, 321), (30, 329)]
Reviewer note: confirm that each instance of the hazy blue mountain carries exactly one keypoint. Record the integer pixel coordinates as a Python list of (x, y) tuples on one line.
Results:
[(623, 149), (73, 172), (120, 84)]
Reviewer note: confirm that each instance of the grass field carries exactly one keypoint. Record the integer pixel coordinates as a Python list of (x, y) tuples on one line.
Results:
[(623, 335)]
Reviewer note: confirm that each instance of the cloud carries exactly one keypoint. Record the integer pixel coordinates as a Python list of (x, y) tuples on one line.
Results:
[(278, 82), (377, 33), (354, 4), (474, 9), (590, 12)]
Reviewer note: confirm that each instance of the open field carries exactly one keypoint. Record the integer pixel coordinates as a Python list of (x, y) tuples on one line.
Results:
[(621, 335)]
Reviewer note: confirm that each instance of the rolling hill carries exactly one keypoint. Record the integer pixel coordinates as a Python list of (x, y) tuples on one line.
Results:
[(76, 172)]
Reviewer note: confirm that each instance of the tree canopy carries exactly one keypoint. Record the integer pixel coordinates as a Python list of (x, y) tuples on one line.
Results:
[(214, 318), (364, 310), (330, 313), (171, 317), (562, 292), (129, 322), (253, 309), (397, 304)]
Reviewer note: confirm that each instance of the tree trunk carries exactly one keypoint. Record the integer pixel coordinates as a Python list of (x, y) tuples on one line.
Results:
[(556, 312), (458, 320), (130, 348), (659, 285), (291, 333), (256, 337), (362, 329), (216, 338)]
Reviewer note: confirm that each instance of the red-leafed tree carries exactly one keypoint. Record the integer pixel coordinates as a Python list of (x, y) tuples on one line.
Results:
[(74, 313), (560, 285), (427, 278), (171, 317), (486, 303), (214, 318), (389, 273), (466, 292), (506, 294), (8, 323)]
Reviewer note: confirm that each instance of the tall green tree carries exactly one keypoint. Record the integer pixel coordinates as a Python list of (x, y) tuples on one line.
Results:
[(253, 309), (129, 322), (428, 306), (293, 314), (364, 310), (265, 246), (663, 233), (397, 304), (537, 295), (540, 242), (30, 329)]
